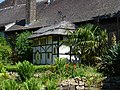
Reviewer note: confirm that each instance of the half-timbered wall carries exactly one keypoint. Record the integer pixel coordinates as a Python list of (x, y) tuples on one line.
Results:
[(47, 48)]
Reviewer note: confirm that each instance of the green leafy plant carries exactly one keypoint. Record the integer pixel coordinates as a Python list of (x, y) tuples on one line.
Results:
[(25, 70), (5, 50), (51, 84), (1, 66), (60, 65), (24, 46), (111, 61), (43, 68), (33, 84), (50, 80), (92, 75), (10, 85), (88, 42)]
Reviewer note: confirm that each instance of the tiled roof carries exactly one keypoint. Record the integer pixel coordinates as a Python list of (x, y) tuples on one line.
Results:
[(57, 29), (68, 10)]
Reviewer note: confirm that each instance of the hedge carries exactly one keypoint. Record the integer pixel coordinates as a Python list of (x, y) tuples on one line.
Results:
[(38, 68)]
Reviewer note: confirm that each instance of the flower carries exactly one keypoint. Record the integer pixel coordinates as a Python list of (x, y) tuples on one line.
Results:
[(74, 66)]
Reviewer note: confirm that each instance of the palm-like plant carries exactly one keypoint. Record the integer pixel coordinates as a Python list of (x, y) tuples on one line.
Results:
[(90, 40), (111, 61)]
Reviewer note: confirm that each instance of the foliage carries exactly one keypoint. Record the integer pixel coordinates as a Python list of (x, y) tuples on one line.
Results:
[(1, 66), (92, 75), (33, 84), (50, 80), (24, 46), (11, 68), (38, 68), (70, 70), (60, 65), (10, 85), (25, 70), (111, 60), (88, 42), (43, 68), (51, 84), (5, 50)]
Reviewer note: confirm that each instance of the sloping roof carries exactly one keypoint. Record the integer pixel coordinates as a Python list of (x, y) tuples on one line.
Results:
[(8, 3), (68, 10), (12, 14), (16, 13), (78, 10), (58, 29)]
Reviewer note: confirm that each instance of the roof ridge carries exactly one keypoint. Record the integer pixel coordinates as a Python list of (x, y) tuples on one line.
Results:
[(12, 7)]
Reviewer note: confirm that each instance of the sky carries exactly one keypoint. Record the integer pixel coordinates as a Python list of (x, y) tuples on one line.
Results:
[(1, 1)]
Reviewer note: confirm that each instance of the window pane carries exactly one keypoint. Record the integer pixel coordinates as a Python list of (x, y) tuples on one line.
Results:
[(43, 41)]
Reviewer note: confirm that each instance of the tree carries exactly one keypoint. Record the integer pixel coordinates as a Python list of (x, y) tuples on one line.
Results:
[(24, 46), (90, 41)]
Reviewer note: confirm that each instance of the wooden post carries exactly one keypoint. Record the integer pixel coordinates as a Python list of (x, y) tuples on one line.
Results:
[(118, 32)]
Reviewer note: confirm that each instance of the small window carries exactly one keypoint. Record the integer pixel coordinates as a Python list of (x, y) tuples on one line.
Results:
[(36, 42), (61, 37), (43, 41), (55, 38)]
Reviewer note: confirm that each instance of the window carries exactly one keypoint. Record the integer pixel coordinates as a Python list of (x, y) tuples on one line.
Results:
[(55, 38), (36, 42), (61, 37), (43, 41)]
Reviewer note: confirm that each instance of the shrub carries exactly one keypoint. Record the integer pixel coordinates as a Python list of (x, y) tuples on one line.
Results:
[(111, 61), (25, 70), (11, 68), (5, 50), (43, 68), (33, 84), (1, 66), (51, 84), (10, 85), (60, 65), (38, 68), (92, 75), (24, 46), (88, 42)]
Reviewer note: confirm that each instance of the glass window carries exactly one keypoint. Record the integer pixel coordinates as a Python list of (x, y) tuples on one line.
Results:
[(61, 37), (35, 42), (55, 38), (43, 41)]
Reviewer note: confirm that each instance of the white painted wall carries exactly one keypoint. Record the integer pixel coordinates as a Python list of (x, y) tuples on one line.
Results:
[(9, 25), (64, 51)]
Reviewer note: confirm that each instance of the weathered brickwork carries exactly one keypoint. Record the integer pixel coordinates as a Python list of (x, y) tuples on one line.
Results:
[(30, 11)]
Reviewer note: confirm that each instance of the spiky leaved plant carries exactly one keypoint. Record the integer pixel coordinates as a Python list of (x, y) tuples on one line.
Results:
[(10, 85), (25, 70), (88, 42), (33, 84)]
